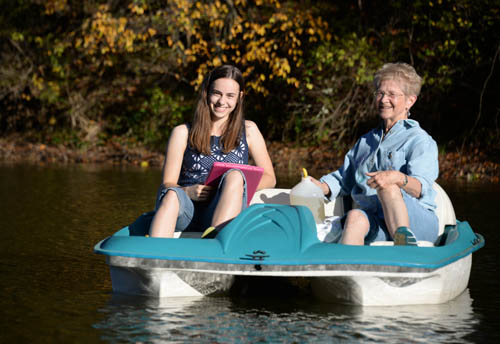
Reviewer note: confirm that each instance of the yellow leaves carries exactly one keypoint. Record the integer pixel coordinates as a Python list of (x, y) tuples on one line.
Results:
[(136, 9), (218, 23), (105, 34), (57, 69), (17, 36), (54, 87), (267, 41), (274, 42), (195, 14), (216, 61), (53, 6), (37, 81), (261, 30), (121, 24), (293, 81), (236, 29), (281, 67)]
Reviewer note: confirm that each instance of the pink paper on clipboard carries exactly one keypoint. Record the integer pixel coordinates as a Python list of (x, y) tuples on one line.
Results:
[(253, 175)]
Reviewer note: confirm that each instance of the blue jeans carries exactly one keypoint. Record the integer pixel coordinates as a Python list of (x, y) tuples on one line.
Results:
[(196, 216), (423, 222)]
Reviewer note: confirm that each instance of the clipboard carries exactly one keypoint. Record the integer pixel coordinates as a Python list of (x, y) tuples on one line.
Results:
[(253, 175)]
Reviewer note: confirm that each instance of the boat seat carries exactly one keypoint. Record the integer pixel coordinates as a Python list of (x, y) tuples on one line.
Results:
[(282, 196), (444, 208)]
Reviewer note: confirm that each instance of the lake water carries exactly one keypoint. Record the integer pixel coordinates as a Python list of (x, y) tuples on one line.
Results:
[(55, 289)]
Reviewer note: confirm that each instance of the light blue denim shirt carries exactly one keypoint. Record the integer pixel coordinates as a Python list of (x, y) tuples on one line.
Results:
[(406, 148)]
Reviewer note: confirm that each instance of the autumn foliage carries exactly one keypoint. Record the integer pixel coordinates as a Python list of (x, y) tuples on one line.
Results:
[(86, 72)]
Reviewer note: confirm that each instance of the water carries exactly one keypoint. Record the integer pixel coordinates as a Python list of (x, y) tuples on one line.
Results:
[(55, 289)]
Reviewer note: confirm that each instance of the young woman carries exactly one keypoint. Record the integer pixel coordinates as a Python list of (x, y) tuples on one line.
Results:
[(218, 132)]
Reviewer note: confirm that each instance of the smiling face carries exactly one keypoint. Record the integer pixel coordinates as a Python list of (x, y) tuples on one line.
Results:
[(392, 103), (223, 97)]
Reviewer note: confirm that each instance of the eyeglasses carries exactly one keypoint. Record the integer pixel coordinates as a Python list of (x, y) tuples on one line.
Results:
[(390, 95)]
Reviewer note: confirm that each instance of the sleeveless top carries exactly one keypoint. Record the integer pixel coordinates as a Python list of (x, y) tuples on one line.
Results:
[(196, 166)]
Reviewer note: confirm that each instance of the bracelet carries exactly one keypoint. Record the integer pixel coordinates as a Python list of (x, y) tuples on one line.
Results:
[(406, 180)]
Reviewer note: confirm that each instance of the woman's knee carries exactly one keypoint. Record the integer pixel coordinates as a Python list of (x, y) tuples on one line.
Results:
[(356, 228), (170, 199), (357, 216), (356, 221), (389, 193), (234, 180)]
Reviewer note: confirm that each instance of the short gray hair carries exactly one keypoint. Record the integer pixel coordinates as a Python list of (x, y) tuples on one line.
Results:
[(411, 82)]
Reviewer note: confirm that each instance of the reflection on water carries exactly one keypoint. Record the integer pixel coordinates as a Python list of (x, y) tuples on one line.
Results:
[(55, 289), (301, 320)]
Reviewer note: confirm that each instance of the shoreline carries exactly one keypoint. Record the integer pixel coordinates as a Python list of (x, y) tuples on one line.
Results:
[(471, 166)]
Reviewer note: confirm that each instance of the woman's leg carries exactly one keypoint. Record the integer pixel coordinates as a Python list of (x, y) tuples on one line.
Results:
[(165, 219), (423, 222), (356, 228), (394, 207), (231, 198)]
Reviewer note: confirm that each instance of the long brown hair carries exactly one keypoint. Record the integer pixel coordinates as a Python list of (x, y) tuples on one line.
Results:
[(199, 135)]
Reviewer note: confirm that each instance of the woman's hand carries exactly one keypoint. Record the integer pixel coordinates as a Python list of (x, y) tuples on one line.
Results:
[(381, 179), (199, 192), (324, 187)]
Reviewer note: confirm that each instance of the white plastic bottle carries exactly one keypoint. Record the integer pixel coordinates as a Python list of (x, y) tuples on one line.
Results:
[(310, 195)]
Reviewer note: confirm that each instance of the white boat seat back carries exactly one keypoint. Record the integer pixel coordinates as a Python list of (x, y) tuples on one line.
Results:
[(444, 208), (282, 196)]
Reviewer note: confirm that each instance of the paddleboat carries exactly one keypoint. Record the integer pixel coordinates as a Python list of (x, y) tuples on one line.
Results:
[(273, 241)]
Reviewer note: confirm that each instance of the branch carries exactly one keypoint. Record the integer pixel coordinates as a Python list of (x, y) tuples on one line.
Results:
[(482, 94)]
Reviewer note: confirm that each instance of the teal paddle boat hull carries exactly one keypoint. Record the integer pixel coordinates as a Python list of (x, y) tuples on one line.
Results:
[(280, 242)]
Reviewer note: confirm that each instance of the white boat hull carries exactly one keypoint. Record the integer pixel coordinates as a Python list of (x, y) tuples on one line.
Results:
[(367, 288), (439, 286)]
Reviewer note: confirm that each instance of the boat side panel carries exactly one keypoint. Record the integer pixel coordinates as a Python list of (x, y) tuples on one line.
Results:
[(270, 239), (165, 283), (436, 287)]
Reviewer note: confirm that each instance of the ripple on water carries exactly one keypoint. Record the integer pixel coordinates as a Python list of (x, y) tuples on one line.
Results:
[(228, 320)]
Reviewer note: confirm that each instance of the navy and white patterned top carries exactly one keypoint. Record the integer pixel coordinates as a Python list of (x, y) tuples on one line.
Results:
[(195, 166)]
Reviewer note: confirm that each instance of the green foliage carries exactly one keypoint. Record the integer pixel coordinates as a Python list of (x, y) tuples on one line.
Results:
[(158, 114)]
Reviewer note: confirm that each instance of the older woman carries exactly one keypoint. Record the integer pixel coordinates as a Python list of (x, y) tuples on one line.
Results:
[(390, 170)]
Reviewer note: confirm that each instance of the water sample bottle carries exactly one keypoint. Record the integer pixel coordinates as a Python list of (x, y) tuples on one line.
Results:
[(310, 195)]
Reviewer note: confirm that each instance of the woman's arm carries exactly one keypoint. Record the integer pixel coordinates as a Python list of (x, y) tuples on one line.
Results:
[(173, 162), (174, 154), (381, 179), (258, 151)]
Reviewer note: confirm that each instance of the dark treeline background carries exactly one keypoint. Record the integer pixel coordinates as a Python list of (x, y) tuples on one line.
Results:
[(86, 72)]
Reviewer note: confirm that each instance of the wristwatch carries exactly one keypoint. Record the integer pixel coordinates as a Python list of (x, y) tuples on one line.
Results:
[(406, 180)]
